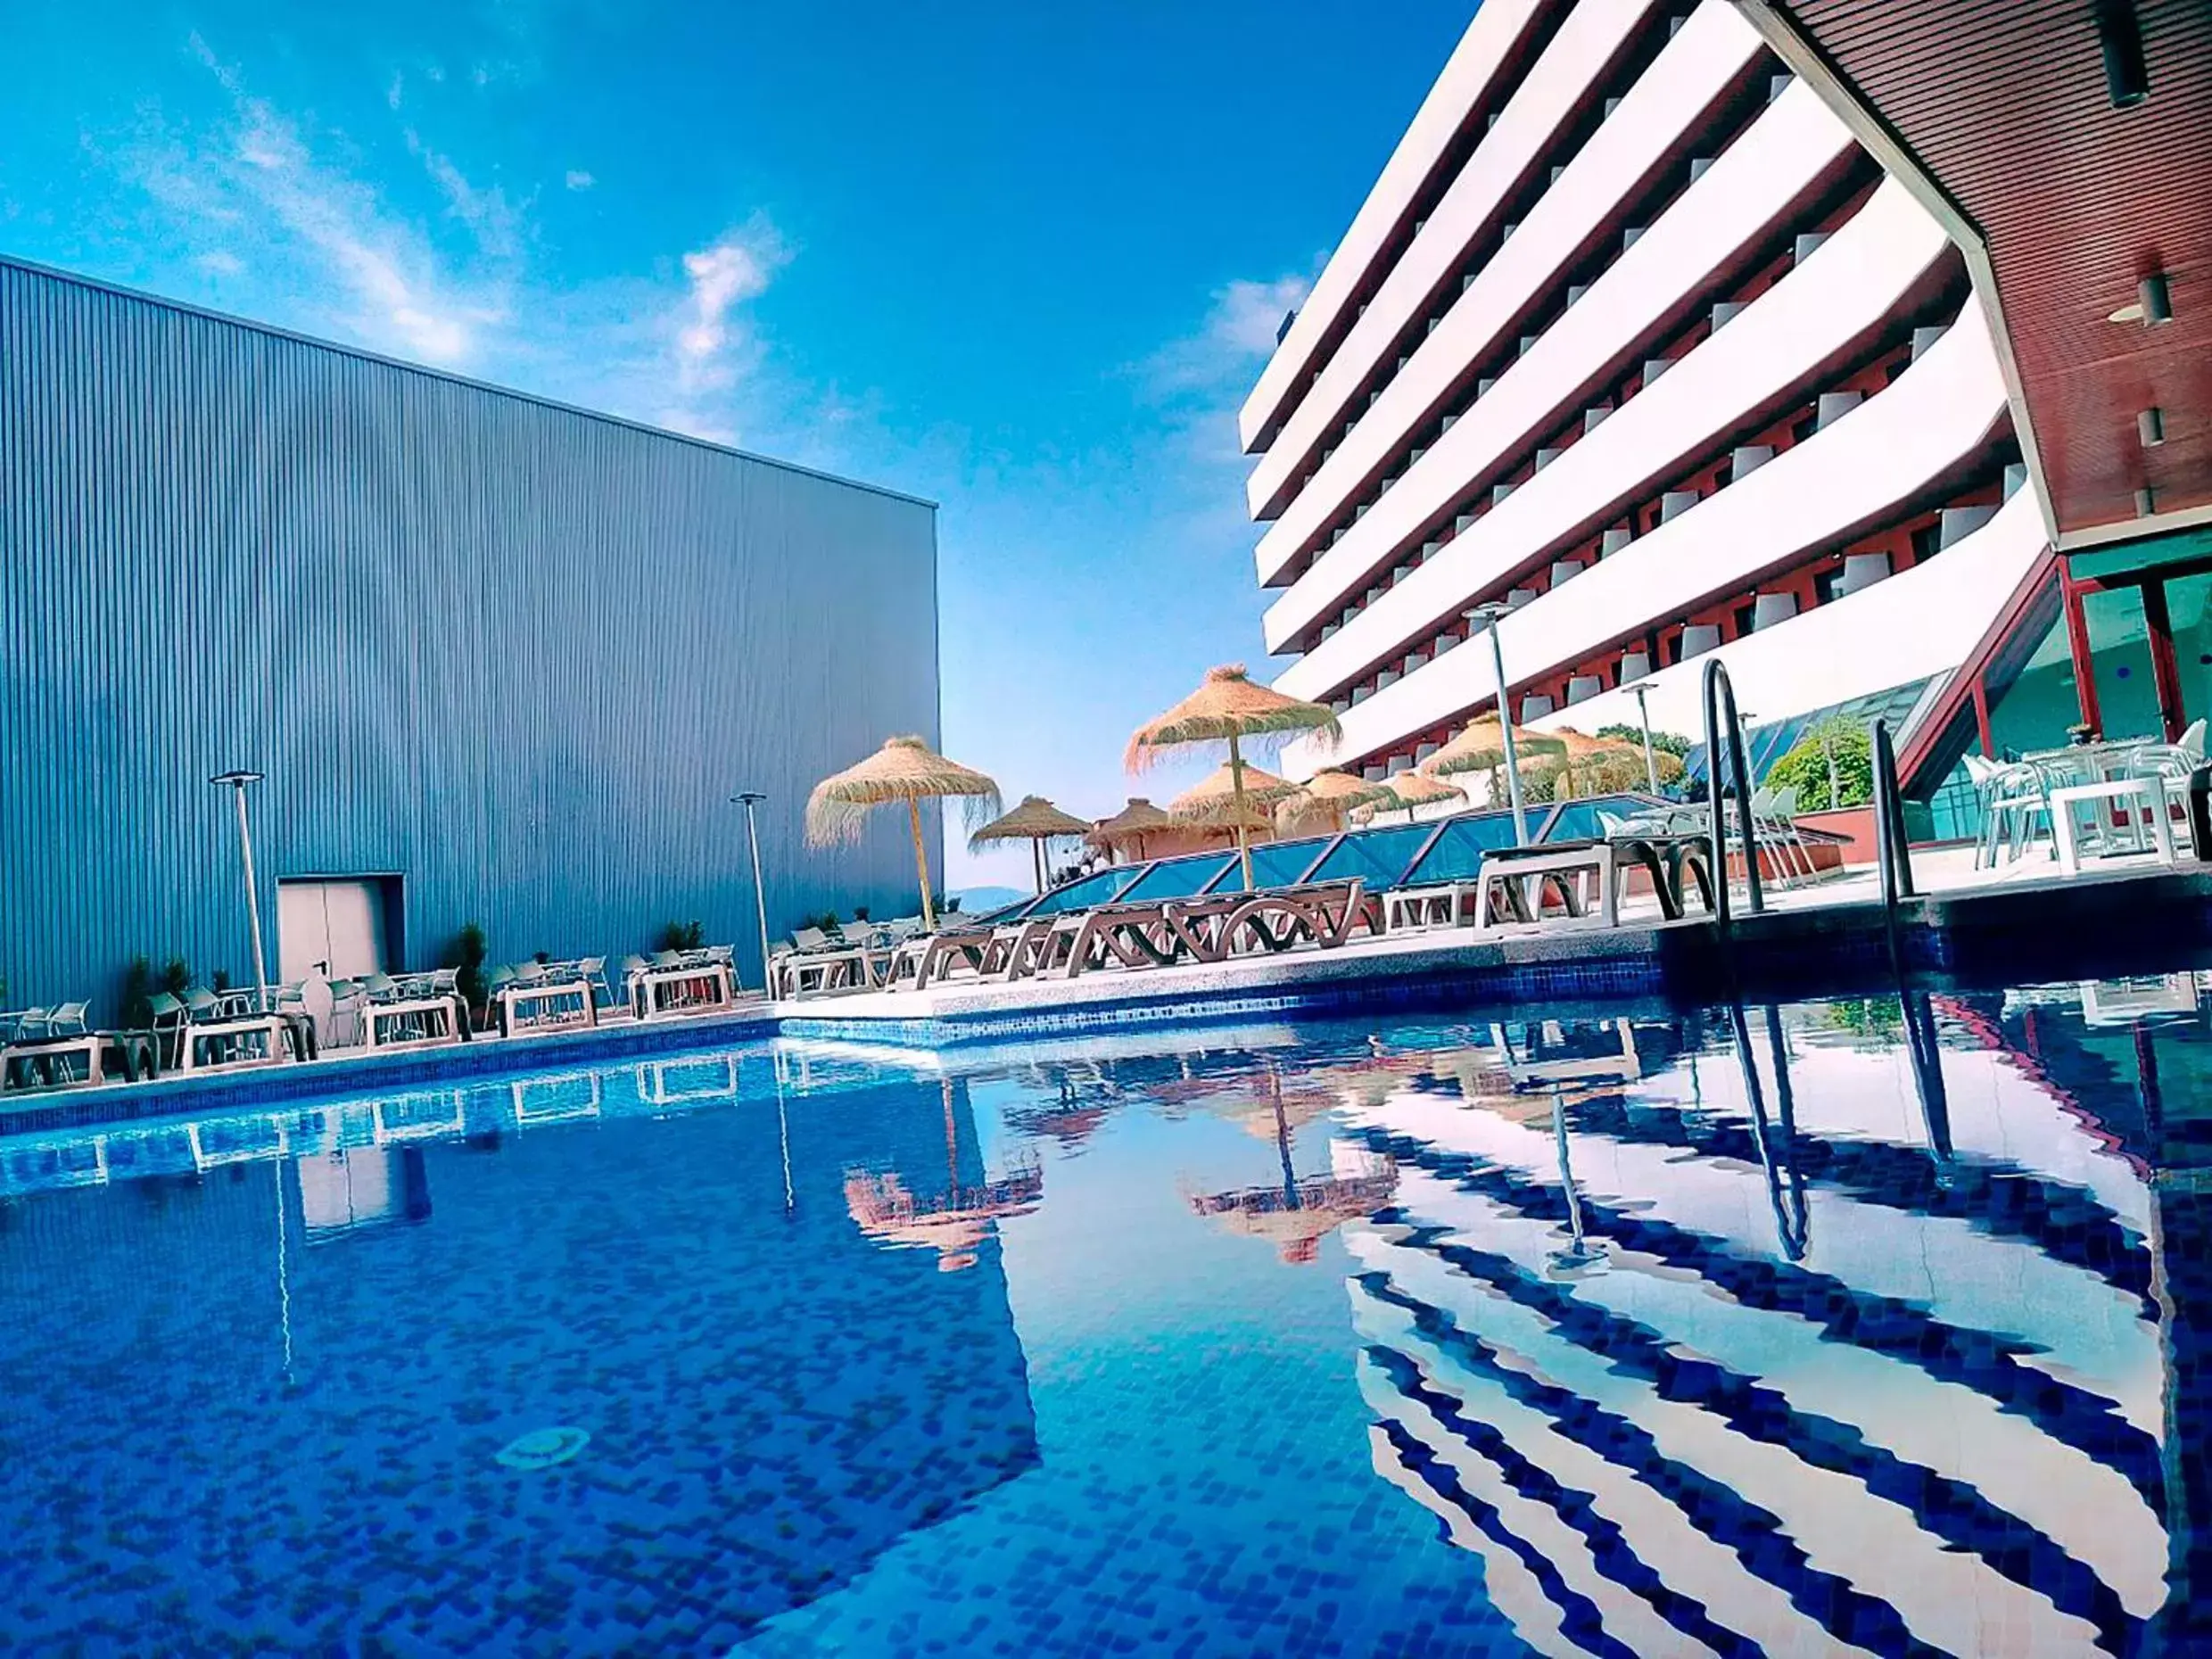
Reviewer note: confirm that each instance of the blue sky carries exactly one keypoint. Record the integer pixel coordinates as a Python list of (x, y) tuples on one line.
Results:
[(1023, 259)]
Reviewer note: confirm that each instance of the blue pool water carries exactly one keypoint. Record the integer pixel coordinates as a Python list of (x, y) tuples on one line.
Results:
[(1868, 1325)]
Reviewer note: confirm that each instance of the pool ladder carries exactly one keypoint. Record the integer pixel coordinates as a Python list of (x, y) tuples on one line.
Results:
[(1719, 694)]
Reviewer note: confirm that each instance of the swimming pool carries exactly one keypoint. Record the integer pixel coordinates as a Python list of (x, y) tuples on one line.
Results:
[(1626, 1331)]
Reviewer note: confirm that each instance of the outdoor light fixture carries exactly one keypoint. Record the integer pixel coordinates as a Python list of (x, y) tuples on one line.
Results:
[(1642, 694), (2156, 299), (2119, 32), (236, 782), (2150, 427), (1490, 614), (749, 800)]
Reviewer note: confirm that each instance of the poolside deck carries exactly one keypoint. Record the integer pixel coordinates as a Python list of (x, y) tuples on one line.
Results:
[(1966, 928), (1830, 935)]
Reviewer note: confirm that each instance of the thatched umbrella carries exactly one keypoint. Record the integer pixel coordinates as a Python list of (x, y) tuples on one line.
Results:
[(1580, 755), (1482, 748), (1409, 789), (1035, 821), (1229, 708), (1326, 797), (1128, 827), (1241, 798), (1485, 746), (904, 769)]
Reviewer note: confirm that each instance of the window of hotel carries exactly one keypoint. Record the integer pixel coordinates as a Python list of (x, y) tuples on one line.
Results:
[(2119, 647), (2189, 608)]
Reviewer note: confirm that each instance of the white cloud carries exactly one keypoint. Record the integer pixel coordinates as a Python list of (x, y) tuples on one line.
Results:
[(1232, 344), (256, 174), (487, 213), (293, 221), (710, 343)]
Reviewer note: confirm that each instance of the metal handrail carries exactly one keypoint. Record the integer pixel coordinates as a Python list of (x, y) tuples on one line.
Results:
[(1924, 1050), (1785, 1181), (1891, 848), (1891, 853), (1716, 689)]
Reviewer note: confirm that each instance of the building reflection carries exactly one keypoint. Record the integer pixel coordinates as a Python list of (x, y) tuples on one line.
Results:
[(1834, 1342), (664, 1260)]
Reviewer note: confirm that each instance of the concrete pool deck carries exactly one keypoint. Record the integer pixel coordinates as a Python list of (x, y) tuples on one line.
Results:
[(1963, 925), (1965, 928)]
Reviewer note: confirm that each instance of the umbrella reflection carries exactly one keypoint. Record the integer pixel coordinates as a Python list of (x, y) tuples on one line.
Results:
[(1296, 1213), (953, 1223), (1075, 1114)]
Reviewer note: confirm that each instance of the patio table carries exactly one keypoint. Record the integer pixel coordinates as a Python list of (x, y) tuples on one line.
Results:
[(2146, 800), (2082, 766)]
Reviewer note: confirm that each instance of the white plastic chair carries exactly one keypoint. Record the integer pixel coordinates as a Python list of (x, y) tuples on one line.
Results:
[(2012, 796)]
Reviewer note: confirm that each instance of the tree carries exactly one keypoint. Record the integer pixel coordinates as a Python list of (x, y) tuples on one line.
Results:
[(1662, 742), (1831, 765)]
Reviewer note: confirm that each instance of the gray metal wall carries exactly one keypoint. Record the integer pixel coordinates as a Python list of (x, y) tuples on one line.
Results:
[(519, 655)]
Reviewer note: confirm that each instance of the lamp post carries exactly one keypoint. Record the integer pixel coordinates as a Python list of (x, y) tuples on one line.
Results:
[(236, 782), (749, 800), (1642, 694), (1490, 614)]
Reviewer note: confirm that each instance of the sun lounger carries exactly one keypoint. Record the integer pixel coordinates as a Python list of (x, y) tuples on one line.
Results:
[(1215, 928), (1014, 950), (1132, 935), (818, 965), (1586, 879), (1324, 914)]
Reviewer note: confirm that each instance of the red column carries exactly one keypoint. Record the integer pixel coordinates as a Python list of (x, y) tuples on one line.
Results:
[(2165, 672), (2077, 642)]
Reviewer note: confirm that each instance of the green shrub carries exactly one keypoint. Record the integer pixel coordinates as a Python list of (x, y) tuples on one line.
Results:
[(466, 955), (680, 936), (1662, 742), (1806, 768), (1880, 1020), (140, 982)]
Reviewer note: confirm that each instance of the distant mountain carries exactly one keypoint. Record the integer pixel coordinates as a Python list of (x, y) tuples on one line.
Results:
[(976, 901)]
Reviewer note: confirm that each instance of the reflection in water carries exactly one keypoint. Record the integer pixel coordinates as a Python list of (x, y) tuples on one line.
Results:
[(1296, 1213), (1953, 1413), (1871, 1326), (254, 1384), (953, 1222)]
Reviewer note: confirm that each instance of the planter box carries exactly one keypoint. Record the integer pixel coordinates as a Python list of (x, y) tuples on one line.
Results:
[(1856, 823)]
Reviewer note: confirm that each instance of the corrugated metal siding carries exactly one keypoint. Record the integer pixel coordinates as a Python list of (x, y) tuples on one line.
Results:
[(517, 655)]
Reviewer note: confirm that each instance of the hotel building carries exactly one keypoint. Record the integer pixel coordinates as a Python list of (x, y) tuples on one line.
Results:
[(1634, 338)]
